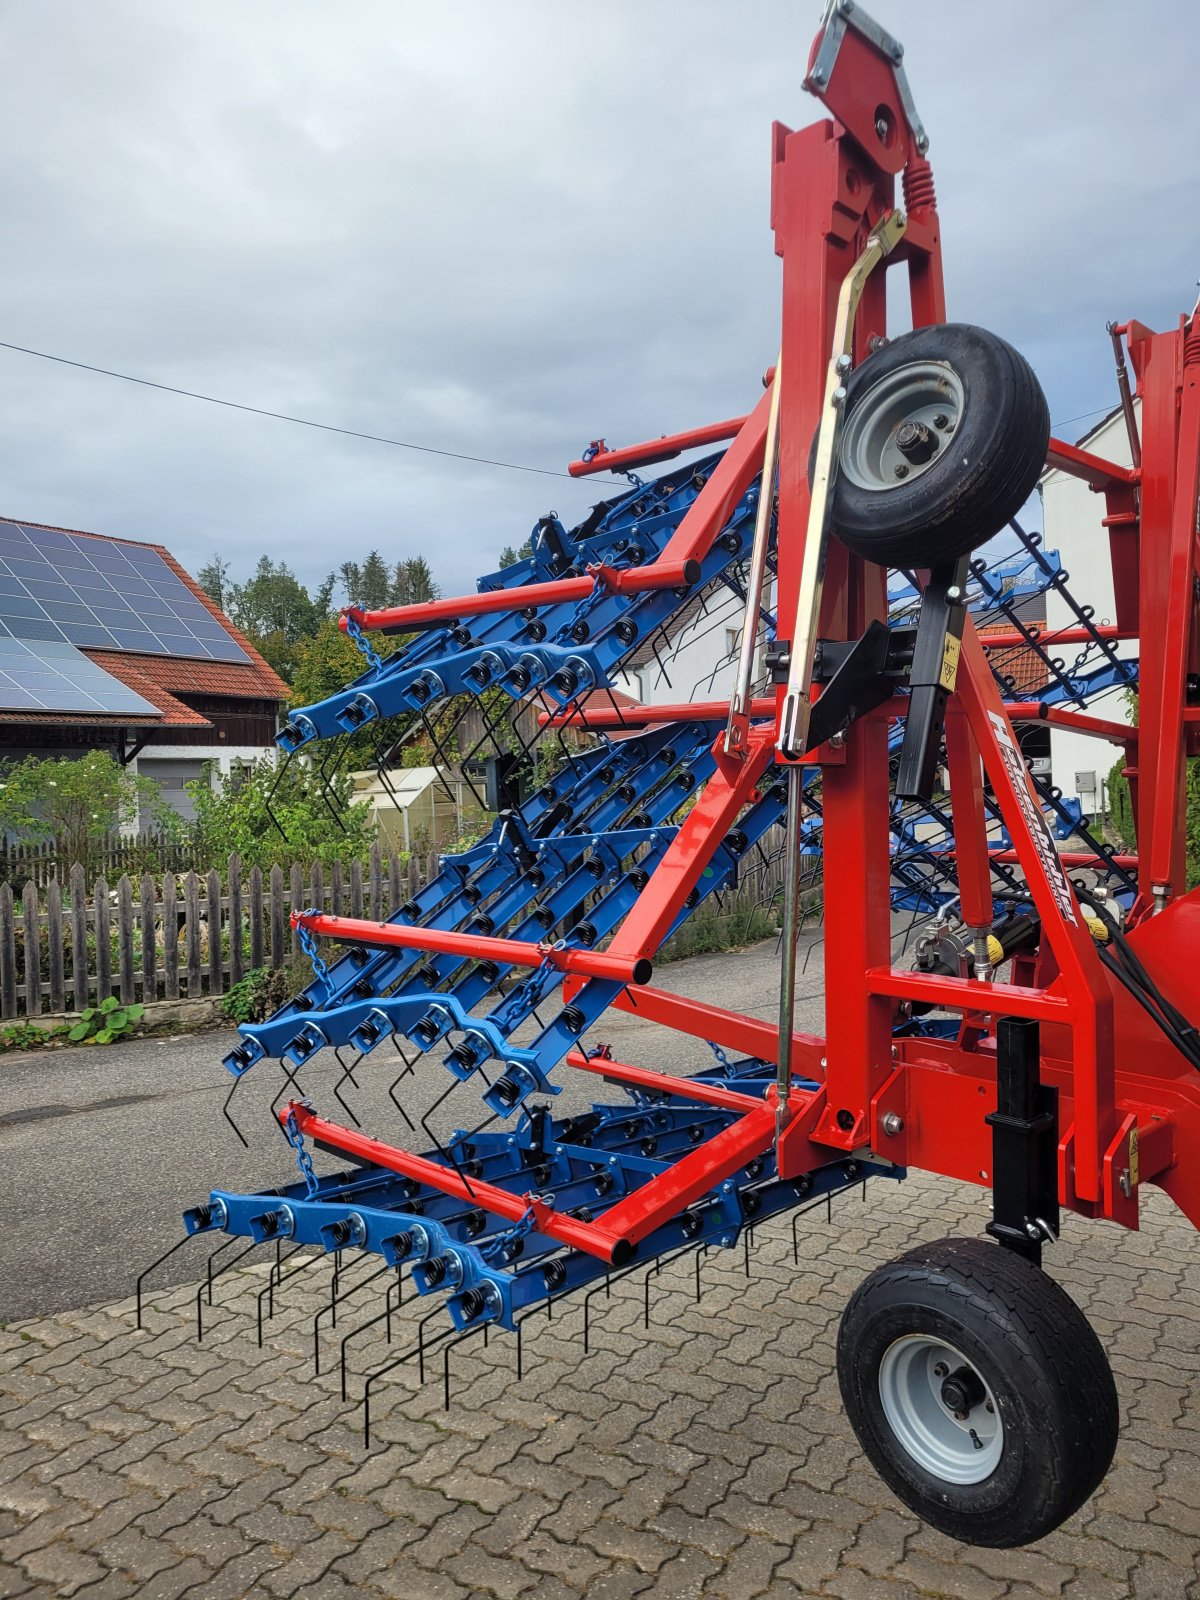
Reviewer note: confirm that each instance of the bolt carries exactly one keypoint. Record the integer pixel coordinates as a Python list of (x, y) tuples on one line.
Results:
[(901, 470), (941, 1370), (961, 1416), (839, 395), (818, 78), (836, 741), (843, 364), (881, 127), (1032, 1229), (893, 1124), (941, 421), (954, 594), (897, 53), (988, 1406)]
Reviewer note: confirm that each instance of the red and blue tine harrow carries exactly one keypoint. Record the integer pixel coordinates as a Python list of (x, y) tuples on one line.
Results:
[(1036, 1042)]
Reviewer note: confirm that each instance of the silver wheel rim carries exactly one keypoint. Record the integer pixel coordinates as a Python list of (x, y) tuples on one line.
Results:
[(956, 1446), (928, 394)]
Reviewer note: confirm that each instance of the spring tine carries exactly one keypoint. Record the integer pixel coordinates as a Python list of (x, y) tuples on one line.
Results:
[(274, 1278), (331, 1308), (157, 1262), (452, 1344), (347, 1073), (391, 1365), (232, 1262), (228, 1115)]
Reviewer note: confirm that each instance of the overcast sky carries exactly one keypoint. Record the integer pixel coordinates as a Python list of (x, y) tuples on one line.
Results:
[(505, 228)]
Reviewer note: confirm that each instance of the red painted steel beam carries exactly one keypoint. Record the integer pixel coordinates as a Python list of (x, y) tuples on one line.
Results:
[(710, 1094), (694, 1175), (637, 716), (1010, 639), (732, 1030), (717, 808), (518, 952), (595, 1238), (431, 612), (660, 449), (968, 994), (1093, 470), (1076, 721)]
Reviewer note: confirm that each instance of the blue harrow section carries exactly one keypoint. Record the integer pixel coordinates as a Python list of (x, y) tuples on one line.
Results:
[(567, 866)]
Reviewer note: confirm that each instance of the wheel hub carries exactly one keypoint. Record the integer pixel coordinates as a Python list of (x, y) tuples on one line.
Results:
[(940, 1409), (900, 425)]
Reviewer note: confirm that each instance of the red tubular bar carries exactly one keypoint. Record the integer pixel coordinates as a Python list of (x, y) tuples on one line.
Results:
[(696, 1174), (1094, 470), (1010, 639), (710, 1094), (518, 952), (661, 449), (430, 612), (968, 994), (637, 716), (593, 1237)]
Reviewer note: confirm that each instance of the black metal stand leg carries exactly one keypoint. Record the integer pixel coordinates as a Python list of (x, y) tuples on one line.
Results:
[(1024, 1144)]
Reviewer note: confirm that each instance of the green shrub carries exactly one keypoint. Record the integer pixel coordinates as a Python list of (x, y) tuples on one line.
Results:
[(261, 993), (103, 1023), (28, 1036)]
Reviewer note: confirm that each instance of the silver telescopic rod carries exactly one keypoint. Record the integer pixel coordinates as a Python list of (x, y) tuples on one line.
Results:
[(791, 914), (737, 729)]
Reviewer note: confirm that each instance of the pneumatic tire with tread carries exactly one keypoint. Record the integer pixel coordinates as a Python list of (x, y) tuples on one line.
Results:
[(986, 464), (1036, 1352)]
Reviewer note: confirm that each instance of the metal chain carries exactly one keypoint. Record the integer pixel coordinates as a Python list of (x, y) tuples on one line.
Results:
[(296, 1139), (308, 943), (519, 1229), (361, 642), (723, 1060)]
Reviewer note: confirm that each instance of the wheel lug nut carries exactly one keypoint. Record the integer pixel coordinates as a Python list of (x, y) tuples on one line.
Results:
[(961, 1416), (940, 1370), (901, 471), (941, 420), (988, 1406)]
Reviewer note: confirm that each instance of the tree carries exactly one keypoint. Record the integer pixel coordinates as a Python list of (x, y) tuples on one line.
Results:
[(412, 583), (213, 578), (275, 610), (77, 803), (509, 557), (280, 813), (367, 585)]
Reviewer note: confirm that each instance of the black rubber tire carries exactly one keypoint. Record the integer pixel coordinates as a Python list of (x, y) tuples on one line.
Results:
[(983, 477), (1037, 1353)]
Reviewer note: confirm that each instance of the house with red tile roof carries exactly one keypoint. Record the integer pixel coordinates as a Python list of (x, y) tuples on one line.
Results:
[(107, 643)]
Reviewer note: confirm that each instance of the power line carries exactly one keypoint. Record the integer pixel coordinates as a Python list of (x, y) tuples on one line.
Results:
[(1099, 412), (349, 433), (283, 416)]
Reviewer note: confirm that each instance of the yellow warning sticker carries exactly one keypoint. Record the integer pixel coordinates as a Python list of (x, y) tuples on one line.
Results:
[(949, 673)]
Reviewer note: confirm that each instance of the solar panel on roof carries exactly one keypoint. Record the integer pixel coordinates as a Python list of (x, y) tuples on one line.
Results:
[(49, 675), (103, 595)]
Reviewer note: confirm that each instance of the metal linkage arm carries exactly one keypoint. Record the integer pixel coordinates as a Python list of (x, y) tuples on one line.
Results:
[(793, 727)]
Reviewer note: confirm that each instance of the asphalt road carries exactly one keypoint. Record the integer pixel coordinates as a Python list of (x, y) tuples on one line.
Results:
[(102, 1149)]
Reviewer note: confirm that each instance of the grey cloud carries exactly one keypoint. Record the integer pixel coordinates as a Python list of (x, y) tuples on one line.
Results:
[(503, 229)]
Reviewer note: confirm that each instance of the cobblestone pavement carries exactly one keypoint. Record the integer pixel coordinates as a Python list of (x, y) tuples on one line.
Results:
[(705, 1455)]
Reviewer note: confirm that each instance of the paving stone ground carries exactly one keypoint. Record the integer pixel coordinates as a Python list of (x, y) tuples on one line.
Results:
[(705, 1455)]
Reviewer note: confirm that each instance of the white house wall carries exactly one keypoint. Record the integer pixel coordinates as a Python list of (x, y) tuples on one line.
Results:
[(1072, 518)]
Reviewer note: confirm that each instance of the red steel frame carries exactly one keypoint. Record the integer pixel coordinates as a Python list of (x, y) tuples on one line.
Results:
[(1129, 1102)]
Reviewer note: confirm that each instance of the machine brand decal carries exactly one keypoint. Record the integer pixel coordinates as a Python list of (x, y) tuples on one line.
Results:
[(1039, 831)]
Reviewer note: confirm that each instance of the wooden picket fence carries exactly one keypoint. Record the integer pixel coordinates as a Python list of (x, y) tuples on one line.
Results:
[(172, 937), (115, 853)]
